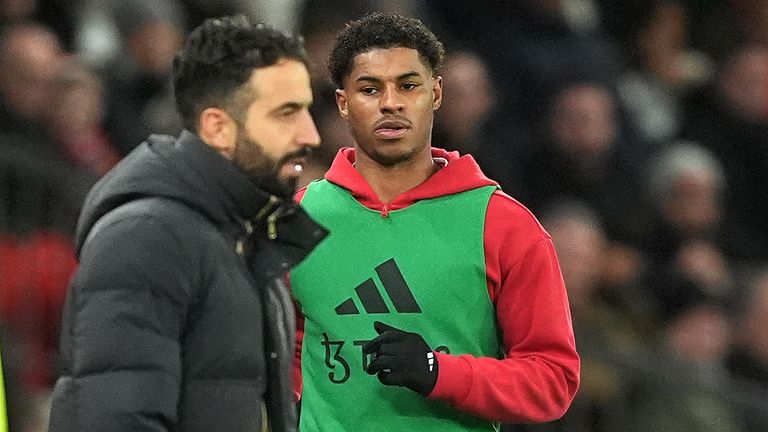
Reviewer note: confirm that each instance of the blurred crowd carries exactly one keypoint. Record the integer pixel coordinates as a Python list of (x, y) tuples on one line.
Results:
[(637, 131)]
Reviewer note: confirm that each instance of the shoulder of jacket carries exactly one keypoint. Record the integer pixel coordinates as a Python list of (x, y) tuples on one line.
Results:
[(160, 208), (176, 218)]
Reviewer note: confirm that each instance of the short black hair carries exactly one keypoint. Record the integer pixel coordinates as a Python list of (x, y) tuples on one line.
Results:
[(378, 30), (219, 57)]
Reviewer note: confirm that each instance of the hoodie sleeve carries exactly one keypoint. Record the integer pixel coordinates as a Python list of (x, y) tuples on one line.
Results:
[(121, 329), (539, 375)]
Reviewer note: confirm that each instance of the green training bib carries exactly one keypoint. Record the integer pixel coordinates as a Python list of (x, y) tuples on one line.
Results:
[(421, 269)]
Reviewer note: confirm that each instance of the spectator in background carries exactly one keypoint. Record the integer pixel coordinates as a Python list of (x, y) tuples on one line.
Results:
[(686, 184), (30, 59), (692, 284), (576, 157), (139, 100), (470, 98), (37, 188), (687, 389), (730, 118), (662, 68), (76, 119)]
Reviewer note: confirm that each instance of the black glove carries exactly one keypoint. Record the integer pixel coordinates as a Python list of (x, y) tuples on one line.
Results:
[(402, 358)]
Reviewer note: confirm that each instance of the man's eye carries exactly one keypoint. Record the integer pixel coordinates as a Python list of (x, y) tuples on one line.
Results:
[(410, 86), (368, 90)]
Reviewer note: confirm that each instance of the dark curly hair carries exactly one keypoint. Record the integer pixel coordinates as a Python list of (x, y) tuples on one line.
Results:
[(218, 58), (378, 30)]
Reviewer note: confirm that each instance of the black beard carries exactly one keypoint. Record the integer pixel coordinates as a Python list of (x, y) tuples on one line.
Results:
[(274, 186), (265, 176)]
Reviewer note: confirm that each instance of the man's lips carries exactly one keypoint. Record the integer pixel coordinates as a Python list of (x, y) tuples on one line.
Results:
[(387, 133), (391, 129)]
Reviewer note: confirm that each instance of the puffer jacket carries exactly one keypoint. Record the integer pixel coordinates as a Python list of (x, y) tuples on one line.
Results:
[(178, 318)]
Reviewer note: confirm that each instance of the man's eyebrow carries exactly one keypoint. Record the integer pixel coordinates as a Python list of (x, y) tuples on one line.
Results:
[(373, 79), (289, 106)]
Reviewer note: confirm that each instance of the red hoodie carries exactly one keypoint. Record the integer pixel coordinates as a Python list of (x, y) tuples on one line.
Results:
[(539, 376)]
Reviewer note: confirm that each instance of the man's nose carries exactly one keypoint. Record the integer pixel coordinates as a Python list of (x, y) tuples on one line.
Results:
[(390, 100), (308, 134)]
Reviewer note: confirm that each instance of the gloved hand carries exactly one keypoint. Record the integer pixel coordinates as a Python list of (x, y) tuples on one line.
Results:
[(402, 358)]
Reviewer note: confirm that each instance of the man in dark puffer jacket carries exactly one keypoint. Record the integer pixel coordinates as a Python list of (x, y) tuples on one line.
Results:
[(178, 318)]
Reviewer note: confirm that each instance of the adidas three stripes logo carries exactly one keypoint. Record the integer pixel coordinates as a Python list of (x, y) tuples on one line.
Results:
[(395, 287)]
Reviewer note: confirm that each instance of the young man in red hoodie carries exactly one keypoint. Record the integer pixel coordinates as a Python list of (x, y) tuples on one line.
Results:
[(432, 279)]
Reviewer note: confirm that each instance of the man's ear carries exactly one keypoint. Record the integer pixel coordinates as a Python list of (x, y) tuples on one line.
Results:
[(341, 103), (437, 93), (218, 130)]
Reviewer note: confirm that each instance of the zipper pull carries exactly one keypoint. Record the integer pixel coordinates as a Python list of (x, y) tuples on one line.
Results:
[(273, 200), (272, 224), (248, 227)]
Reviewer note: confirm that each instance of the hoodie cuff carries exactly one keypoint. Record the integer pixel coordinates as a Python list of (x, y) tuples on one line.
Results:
[(454, 379)]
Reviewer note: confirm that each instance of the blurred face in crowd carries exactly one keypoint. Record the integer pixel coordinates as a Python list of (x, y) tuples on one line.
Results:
[(700, 334), (469, 96), (30, 59), (744, 84), (77, 102), (154, 45), (580, 245), (319, 44), (583, 121), (277, 131), (693, 204), (389, 99)]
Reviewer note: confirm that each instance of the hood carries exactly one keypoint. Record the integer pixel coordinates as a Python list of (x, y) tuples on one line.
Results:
[(458, 174), (183, 169)]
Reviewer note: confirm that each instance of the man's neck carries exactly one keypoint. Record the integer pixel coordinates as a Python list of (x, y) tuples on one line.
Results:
[(390, 181)]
